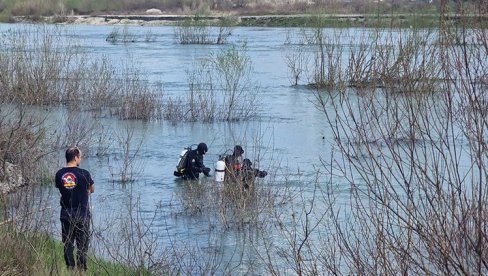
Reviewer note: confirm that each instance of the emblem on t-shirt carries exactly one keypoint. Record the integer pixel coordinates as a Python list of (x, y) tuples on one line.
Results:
[(69, 180)]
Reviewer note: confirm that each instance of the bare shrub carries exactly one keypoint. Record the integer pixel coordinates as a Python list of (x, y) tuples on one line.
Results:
[(224, 29), (362, 70), (322, 63), (327, 72), (295, 244), (32, 63), (401, 62), (415, 167), (113, 36), (202, 102), (414, 67), (82, 130), (297, 59), (220, 89), (127, 166), (24, 141), (231, 206), (138, 100), (14, 262), (149, 36), (43, 66), (198, 30), (130, 240), (125, 37), (193, 31), (96, 86), (175, 110)]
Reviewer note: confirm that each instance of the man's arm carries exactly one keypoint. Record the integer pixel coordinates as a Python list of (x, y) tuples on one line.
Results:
[(200, 166), (91, 184), (260, 174)]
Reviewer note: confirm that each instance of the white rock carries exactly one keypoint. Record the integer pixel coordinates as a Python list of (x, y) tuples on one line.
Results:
[(12, 178), (154, 11)]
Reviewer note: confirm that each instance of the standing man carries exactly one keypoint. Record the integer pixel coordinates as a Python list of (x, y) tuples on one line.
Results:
[(75, 186)]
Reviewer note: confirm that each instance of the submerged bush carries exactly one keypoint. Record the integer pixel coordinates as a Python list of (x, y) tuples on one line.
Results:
[(125, 37), (220, 89), (334, 60), (198, 30), (43, 66)]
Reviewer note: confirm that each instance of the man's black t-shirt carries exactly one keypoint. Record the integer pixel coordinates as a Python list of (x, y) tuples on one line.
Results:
[(73, 184)]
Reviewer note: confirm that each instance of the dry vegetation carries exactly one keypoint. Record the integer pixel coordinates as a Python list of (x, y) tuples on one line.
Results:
[(403, 190), (42, 66), (220, 89), (408, 116), (35, 8), (196, 30)]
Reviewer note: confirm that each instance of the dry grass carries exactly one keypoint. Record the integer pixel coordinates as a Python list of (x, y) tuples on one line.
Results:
[(221, 89), (43, 66)]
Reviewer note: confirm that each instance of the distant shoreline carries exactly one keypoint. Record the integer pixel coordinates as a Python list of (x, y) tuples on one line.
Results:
[(295, 20)]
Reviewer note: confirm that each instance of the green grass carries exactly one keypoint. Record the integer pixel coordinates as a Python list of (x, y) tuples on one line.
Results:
[(5, 17), (39, 254), (367, 21), (370, 21)]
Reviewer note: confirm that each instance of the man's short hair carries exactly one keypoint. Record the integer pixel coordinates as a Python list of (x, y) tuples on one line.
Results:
[(71, 153)]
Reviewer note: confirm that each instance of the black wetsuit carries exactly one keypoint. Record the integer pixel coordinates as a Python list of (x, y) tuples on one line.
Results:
[(194, 165), (248, 175)]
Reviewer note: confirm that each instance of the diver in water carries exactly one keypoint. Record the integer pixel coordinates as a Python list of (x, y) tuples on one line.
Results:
[(248, 174), (233, 164), (194, 163)]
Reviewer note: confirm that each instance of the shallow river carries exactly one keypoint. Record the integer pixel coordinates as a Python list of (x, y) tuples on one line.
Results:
[(289, 134)]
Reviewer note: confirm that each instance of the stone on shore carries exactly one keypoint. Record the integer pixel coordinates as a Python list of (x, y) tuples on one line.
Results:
[(11, 178), (154, 11)]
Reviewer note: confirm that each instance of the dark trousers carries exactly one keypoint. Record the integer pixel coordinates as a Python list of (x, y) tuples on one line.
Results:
[(75, 229)]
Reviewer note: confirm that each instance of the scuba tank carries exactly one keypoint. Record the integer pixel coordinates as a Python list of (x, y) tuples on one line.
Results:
[(181, 166), (220, 171)]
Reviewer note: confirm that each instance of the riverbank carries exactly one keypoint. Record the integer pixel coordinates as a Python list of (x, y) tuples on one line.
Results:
[(299, 20), (39, 254)]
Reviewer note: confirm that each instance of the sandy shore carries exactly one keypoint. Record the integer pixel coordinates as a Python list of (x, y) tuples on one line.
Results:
[(167, 19)]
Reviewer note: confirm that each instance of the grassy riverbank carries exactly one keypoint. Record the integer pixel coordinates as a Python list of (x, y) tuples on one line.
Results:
[(417, 14), (344, 20), (39, 254)]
